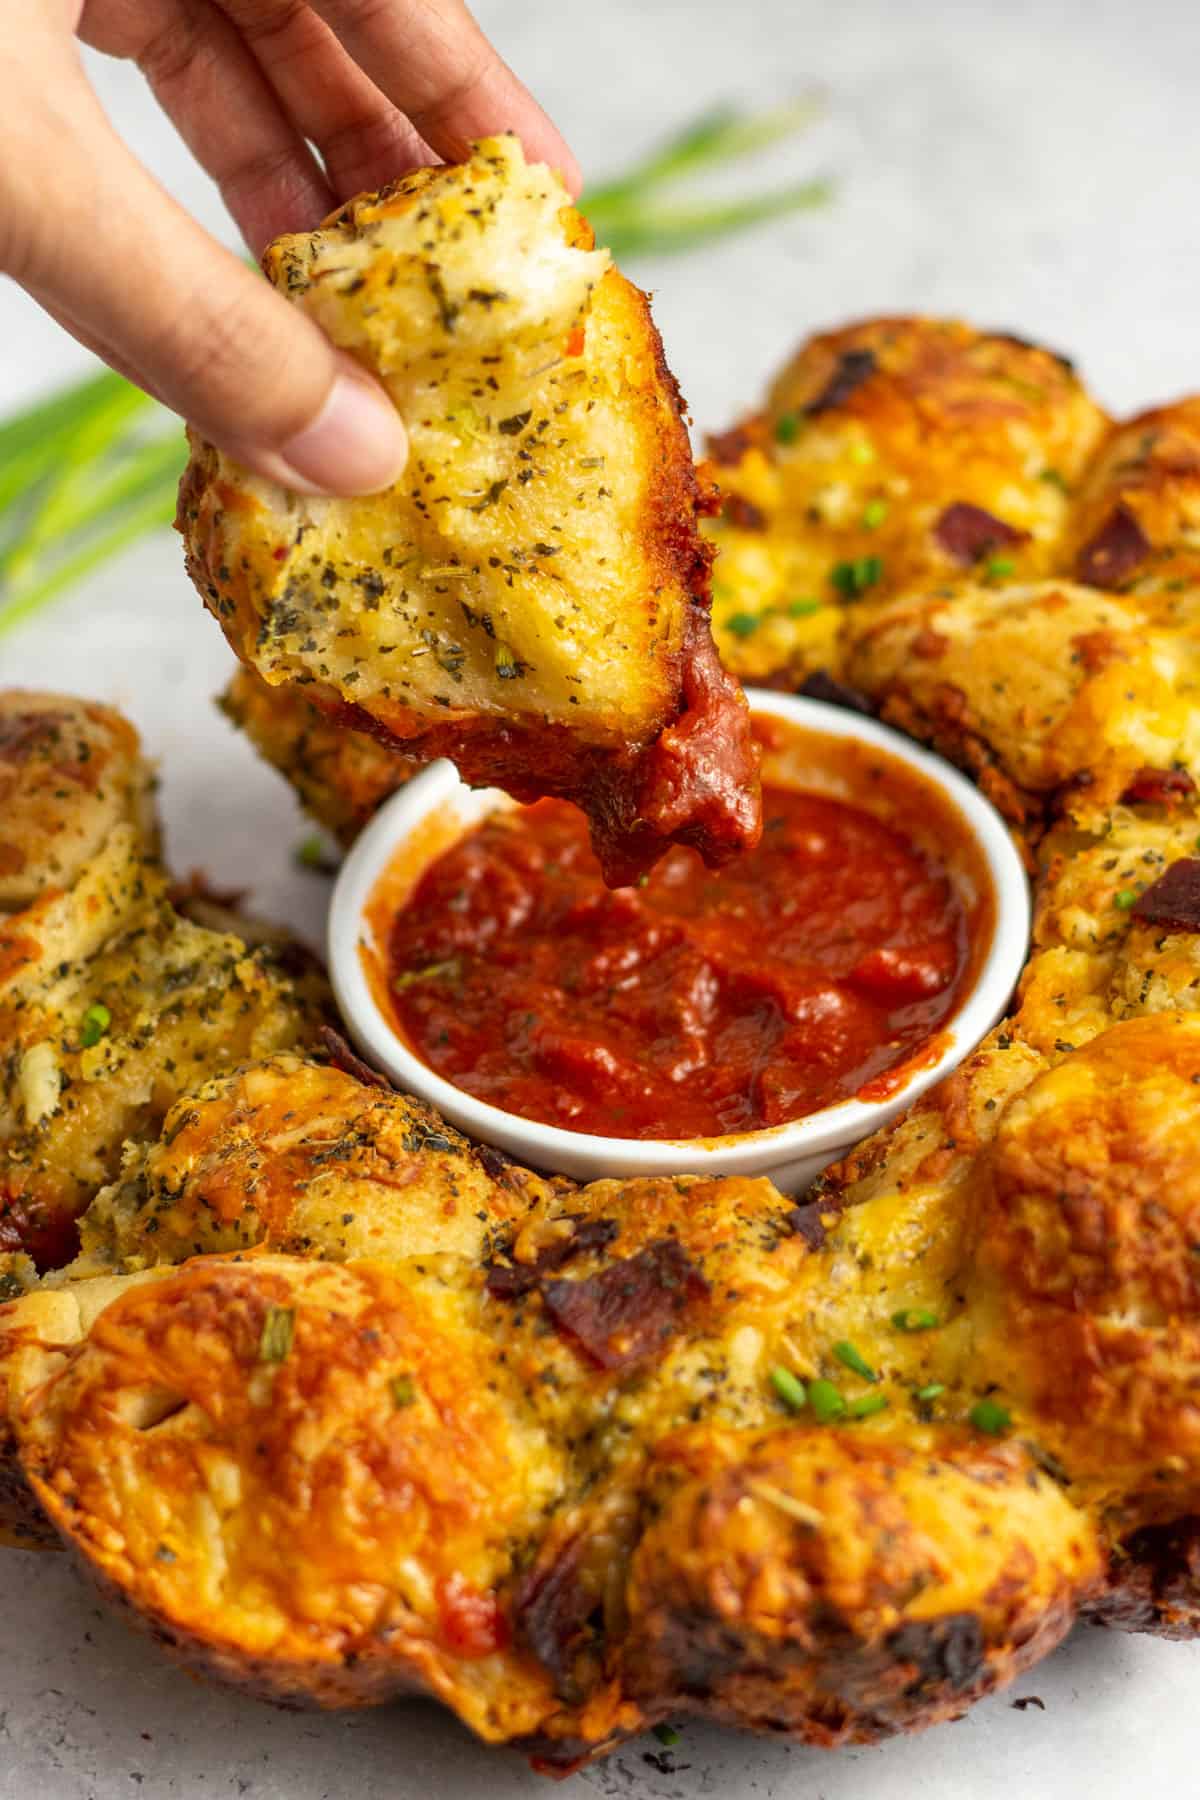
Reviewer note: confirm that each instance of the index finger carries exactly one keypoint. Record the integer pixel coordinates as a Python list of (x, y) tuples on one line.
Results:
[(431, 59)]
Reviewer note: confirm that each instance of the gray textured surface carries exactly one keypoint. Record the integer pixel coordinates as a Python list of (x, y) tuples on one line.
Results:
[(1027, 165)]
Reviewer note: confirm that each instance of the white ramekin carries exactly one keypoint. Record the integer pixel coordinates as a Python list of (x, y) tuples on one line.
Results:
[(424, 817)]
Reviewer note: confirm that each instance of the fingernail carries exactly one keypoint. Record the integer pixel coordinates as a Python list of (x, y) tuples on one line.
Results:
[(355, 445)]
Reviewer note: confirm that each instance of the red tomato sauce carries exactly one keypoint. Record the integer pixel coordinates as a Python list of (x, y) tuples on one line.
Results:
[(693, 1004)]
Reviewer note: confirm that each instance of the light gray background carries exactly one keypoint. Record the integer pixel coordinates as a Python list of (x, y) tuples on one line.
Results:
[(1032, 166)]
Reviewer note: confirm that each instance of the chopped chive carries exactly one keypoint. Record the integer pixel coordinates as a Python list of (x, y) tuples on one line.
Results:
[(800, 609), (931, 1390), (990, 1416), (826, 1401), (853, 579), (790, 1391), (1124, 898), (866, 1405), (666, 1734), (861, 452), (787, 428), (96, 1021), (999, 566), (403, 1390), (1054, 478), (279, 1327), (874, 513), (915, 1318), (852, 1358), (742, 624)]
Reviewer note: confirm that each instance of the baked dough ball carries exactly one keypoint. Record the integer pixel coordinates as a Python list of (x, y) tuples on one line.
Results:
[(531, 597)]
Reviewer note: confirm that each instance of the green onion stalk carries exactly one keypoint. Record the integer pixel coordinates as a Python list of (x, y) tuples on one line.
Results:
[(92, 469)]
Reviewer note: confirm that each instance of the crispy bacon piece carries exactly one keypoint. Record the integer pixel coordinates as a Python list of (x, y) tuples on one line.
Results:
[(1159, 787), (743, 513), (1113, 555), (625, 1313), (805, 1222), (854, 367), (342, 1057), (513, 1281), (967, 532), (553, 1609), (1174, 899), (821, 685), (729, 447)]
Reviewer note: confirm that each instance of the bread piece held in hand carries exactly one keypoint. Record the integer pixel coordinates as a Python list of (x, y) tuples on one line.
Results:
[(531, 597)]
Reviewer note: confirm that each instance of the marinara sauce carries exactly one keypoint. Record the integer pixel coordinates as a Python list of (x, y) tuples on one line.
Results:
[(693, 1004)]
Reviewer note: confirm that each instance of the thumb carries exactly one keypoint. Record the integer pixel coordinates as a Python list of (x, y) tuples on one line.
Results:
[(95, 238)]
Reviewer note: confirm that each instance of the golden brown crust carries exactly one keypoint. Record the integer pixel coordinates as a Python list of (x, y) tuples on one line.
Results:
[(893, 455), (841, 1588), (1135, 527), (1052, 689), (70, 773)]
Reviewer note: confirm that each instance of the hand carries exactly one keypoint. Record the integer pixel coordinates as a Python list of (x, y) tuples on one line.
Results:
[(379, 86)]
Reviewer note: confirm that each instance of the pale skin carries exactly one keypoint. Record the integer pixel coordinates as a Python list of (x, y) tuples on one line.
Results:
[(377, 86)]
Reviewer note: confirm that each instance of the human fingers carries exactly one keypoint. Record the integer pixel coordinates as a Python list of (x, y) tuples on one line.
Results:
[(226, 110), (84, 226), (364, 140), (431, 59)]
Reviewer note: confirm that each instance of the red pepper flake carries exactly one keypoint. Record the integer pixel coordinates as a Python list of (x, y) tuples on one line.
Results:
[(967, 532), (626, 1313), (575, 342), (280, 551), (1159, 787), (1174, 899), (473, 1624), (1115, 552), (854, 367)]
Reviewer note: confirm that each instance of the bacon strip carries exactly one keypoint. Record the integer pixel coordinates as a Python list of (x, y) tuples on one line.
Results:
[(513, 1281), (967, 532), (1159, 787), (1174, 899), (1114, 553), (821, 685), (625, 1313), (854, 367)]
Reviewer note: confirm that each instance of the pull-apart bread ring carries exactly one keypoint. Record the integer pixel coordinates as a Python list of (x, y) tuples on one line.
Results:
[(531, 598), (342, 1406)]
